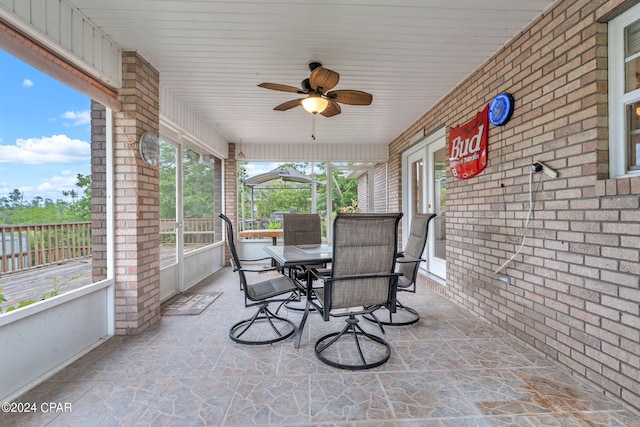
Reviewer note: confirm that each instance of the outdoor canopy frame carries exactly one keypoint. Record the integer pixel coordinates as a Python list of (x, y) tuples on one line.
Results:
[(283, 173)]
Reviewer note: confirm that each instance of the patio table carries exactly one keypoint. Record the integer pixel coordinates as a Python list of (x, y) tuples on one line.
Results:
[(264, 232), (301, 255)]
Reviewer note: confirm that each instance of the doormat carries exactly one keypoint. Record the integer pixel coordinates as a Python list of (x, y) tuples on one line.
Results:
[(189, 303)]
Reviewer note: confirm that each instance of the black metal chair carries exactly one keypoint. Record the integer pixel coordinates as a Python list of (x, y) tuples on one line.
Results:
[(362, 279), (301, 229), (408, 264), (260, 294)]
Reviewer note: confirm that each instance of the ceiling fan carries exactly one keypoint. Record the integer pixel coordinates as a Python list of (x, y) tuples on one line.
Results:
[(320, 98)]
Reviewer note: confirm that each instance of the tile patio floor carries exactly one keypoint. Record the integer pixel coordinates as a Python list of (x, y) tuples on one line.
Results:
[(450, 369)]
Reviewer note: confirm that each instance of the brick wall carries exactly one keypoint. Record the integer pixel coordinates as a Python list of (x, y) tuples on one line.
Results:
[(137, 207), (363, 189), (380, 189), (575, 291)]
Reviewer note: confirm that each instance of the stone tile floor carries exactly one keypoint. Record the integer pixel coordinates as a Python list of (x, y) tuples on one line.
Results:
[(450, 369)]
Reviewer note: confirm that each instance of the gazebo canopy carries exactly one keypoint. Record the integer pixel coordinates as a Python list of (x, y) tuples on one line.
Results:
[(284, 173)]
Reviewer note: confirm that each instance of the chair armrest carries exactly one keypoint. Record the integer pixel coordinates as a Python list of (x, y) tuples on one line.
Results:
[(318, 275), (366, 276), (405, 259), (256, 259), (254, 270), (326, 278)]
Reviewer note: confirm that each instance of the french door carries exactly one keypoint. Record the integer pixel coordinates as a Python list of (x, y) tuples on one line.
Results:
[(424, 191)]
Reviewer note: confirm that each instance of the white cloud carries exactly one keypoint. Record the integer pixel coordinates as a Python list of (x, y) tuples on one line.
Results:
[(48, 188), (58, 183), (46, 150), (77, 118), (27, 83)]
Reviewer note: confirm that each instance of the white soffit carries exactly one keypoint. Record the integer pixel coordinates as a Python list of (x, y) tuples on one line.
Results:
[(407, 53)]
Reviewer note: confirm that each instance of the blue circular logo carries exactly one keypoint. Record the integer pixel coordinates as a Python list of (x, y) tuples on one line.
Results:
[(501, 109)]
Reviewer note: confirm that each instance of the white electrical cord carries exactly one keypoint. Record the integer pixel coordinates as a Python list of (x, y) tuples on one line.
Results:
[(526, 224)]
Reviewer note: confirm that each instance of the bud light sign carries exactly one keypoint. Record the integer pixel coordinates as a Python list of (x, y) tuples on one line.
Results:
[(468, 146)]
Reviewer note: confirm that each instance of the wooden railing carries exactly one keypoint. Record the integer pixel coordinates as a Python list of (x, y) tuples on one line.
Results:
[(196, 231), (28, 246)]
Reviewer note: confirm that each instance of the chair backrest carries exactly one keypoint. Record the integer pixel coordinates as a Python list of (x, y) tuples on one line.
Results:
[(417, 240), (230, 240), (301, 229), (363, 244), (235, 260)]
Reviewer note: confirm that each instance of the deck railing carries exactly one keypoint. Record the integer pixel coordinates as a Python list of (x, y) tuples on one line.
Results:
[(29, 246), (196, 231)]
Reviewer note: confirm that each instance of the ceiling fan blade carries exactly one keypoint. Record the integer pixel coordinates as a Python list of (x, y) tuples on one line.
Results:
[(351, 97), (288, 105), (333, 109), (282, 88), (324, 79)]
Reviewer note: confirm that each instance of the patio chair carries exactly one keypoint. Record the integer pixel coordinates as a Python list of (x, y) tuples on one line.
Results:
[(361, 280), (301, 229), (260, 294), (408, 263)]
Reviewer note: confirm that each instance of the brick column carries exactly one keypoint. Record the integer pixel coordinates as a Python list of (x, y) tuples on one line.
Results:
[(136, 196), (231, 192), (98, 191)]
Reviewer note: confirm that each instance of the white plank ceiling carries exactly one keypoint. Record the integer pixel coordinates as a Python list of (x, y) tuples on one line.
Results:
[(407, 53)]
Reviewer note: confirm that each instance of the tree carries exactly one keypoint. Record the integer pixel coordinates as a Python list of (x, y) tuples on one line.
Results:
[(80, 209), (167, 181), (198, 185), (276, 198), (36, 202), (15, 198)]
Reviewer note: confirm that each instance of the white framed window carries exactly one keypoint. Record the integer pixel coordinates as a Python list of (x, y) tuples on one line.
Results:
[(624, 94)]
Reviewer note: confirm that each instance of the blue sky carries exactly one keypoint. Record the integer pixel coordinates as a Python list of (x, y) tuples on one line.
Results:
[(45, 132)]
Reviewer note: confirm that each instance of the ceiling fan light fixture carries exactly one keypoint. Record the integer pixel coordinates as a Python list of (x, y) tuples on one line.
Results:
[(314, 104)]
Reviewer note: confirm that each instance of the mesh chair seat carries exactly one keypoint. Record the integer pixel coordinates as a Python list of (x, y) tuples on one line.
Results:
[(362, 279), (264, 326), (270, 288)]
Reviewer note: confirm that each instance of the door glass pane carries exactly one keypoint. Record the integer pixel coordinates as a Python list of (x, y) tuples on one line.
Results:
[(632, 39), (417, 187), (633, 148), (632, 48), (440, 201), (199, 201), (168, 223)]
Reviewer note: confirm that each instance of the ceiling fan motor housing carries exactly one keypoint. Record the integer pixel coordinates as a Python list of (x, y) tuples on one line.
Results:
[(317, 101), (306, 86), (314, 65)]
